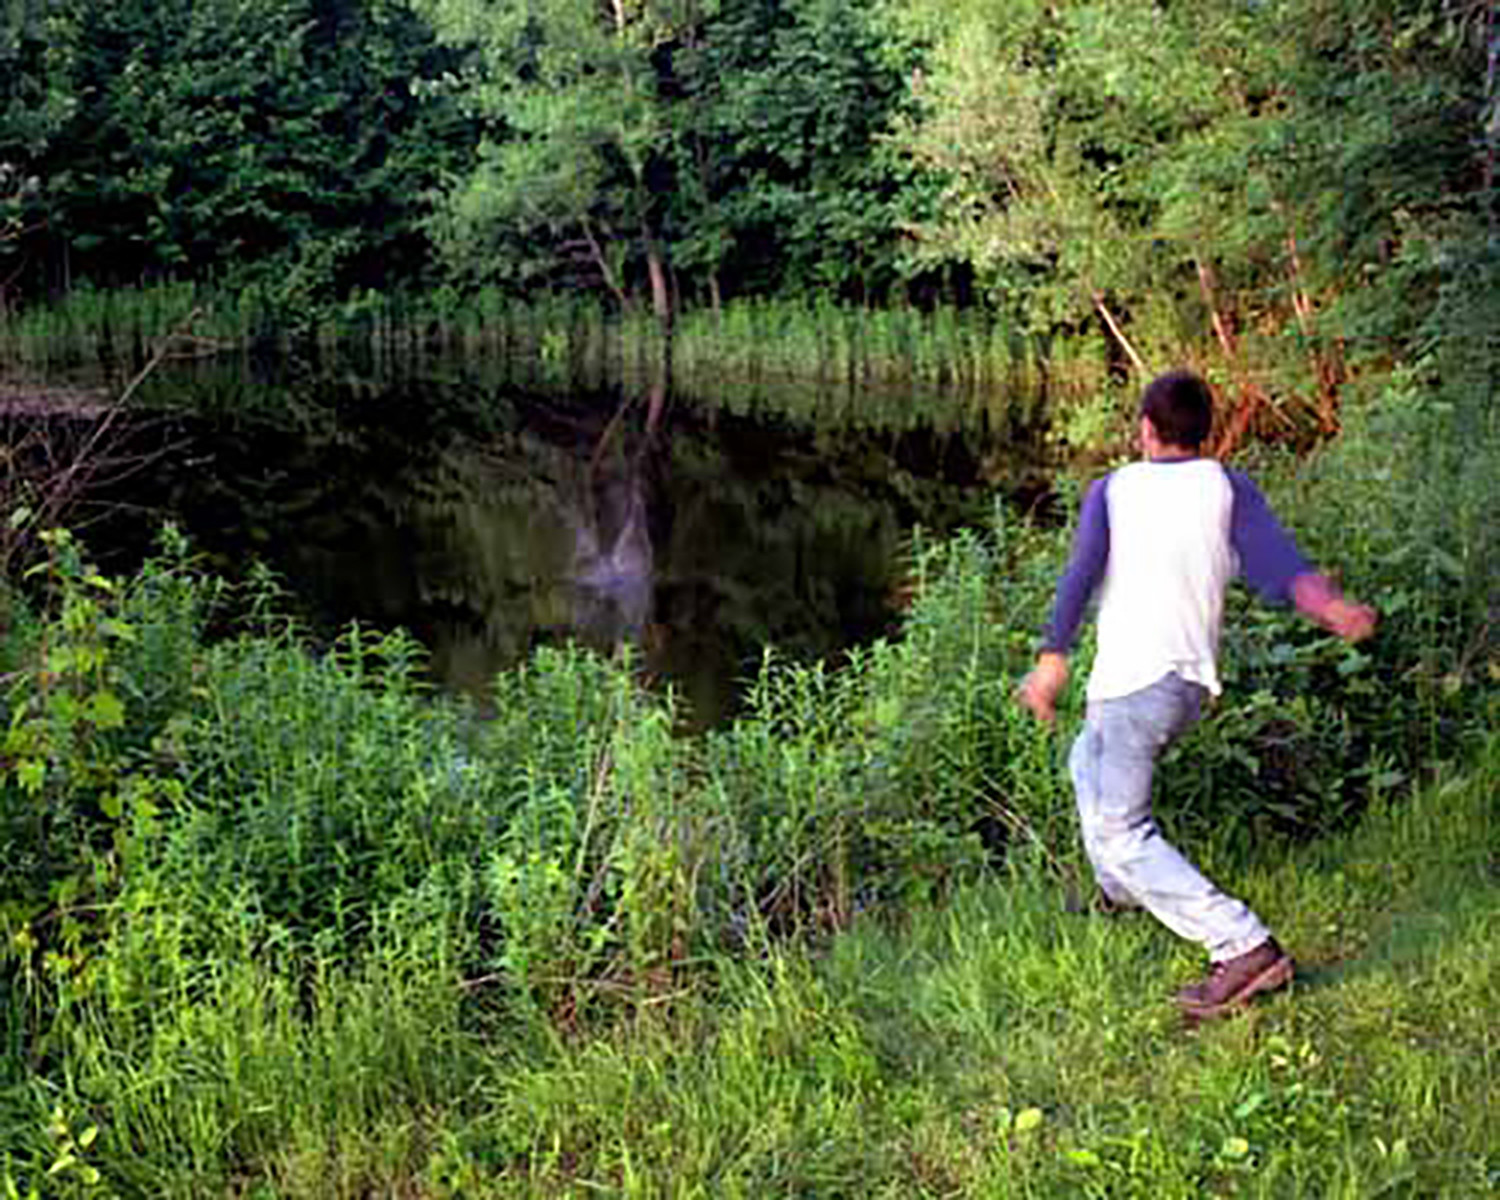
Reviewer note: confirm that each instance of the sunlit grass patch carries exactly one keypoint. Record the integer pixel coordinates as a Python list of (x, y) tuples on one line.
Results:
[(997, 1045)]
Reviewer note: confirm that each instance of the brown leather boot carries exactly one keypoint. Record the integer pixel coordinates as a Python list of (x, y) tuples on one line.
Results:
[(1231, 984)]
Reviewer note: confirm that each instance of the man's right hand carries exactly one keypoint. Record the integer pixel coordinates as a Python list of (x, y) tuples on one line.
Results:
[(1042, 686)]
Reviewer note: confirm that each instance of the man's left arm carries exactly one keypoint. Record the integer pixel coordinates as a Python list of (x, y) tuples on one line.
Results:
[(1275, 568)]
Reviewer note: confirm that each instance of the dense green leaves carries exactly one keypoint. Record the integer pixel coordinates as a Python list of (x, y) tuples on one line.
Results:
[(1185, 172), (789, 184), (278, 140), (723, 140), (569, 91), (1270, 191)]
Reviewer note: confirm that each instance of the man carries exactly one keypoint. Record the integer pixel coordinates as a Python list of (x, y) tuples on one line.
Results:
[(1159, 540)]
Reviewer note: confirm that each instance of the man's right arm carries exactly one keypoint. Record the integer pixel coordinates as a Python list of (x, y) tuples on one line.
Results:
[(1042, 686)]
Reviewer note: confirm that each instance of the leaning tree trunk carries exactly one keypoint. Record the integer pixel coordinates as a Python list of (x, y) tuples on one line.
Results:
[(1117, 332), (661, 290), (1249, 397), (596, 252)]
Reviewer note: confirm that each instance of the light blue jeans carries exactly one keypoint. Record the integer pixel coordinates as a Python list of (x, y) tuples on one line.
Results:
[(1112, 763)]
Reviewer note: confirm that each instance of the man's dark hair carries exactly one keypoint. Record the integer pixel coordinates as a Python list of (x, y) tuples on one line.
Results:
[(1180, 407)]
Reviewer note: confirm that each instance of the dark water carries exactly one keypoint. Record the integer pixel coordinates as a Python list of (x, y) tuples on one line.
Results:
[(491, 515)]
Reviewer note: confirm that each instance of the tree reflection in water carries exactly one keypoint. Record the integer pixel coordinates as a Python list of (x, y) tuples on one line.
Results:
[(613, 565), (492, 522)]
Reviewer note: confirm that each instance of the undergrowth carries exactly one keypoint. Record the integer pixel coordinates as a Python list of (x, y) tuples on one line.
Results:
[(279, 921)]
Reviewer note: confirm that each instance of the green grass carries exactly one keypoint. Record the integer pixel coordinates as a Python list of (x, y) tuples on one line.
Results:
[(277, 922), (998, 1046), (990, 1046)]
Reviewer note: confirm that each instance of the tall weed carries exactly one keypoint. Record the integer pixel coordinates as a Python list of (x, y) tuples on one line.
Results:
[(275, 960), (1310, 730)]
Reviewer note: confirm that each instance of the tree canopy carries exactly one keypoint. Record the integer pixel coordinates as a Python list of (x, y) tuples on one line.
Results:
[(1238, 183)]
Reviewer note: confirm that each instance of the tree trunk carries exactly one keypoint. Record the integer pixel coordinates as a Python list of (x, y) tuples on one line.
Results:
[(602, 263), (1327, 366), (1119, 334), (1249, 398), (661, 292)]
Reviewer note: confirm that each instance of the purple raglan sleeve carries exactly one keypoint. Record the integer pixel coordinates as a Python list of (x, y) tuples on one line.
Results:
[(1084, 573), (1269, 558)]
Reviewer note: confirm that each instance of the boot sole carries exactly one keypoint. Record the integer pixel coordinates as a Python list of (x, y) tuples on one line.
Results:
[(1277, 975)]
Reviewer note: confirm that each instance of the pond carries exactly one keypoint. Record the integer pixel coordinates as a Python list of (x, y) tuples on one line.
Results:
[(491, 508)]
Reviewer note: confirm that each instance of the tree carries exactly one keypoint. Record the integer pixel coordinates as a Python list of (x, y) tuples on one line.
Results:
[(272, 141), (715, 140), (786, 180), (1222, 167), (578, 130), (1037, 116), (31, 114)]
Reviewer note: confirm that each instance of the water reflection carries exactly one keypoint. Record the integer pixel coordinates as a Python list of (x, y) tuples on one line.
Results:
[(613, 566), (490, 521)]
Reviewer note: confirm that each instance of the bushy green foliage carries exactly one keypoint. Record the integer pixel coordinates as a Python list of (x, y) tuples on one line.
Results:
[(277, 143), (289, 891), (1399, 508), (97, 680)]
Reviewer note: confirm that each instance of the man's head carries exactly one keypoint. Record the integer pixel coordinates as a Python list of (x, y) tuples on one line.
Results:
[(1179, 409)]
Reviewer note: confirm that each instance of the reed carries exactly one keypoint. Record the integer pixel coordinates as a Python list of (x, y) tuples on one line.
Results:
[(922, 364)]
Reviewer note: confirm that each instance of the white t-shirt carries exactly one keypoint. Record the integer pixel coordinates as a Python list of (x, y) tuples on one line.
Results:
[(1162, 596), (1158, 542)]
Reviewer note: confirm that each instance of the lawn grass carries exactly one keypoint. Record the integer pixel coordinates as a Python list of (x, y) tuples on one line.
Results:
[(996, 1045)]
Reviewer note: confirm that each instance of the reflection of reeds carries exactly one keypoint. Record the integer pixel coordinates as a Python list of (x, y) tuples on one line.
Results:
[(876, 365)]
